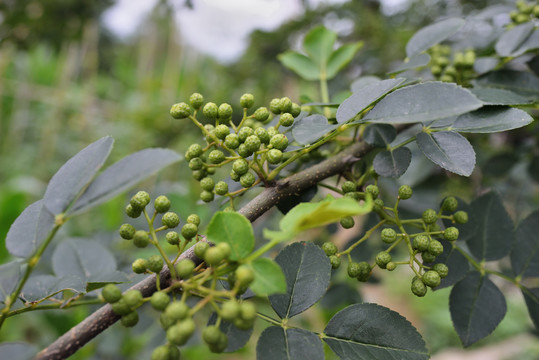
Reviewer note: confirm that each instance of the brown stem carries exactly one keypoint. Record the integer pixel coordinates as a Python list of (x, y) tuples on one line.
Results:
[(97, 322)]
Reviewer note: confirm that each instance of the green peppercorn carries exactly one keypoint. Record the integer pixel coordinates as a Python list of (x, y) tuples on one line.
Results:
[(170, 219), (221, 131), (441, 269), (285, 105), (230, 310), (139, 266), (140, 200), (244, 275), (193, 219), (352, 195), (196, 100), (436, 70), (221, 188), (451, 233), (450, 204), (155, 263), (173, 238), (418, 287), (130, 319), (388, 235), (199, 174), (427, 257), (435, 247), (431, 278), (207, 196), (133, 298), (216, 157), (161, 353), (405, 192), (460, 217), (121, 308), (177, 310), (211, 334), (243, 151), (111, 293), (224, 111), (210, 110), (378, 205), (127, 231), (232, 141), (296, 110), (225, 249), (274, 156), (261, 114), (159, 300), (353, 269), (201, 248), (185, 268), (247, 101), (447, 78), (262, 135), (421, 243), (247, 180), (347, 222), (132, 212), (178, 334), (180, 111), (141, 239), (207, 184), (272, 131), (382, 259), (390, 266), (329, 248), (213, 256), (275, 106), (335, 261), (373, 190), (286, 119), (279, 141), (240, 166), (196, 164), (189, 231), (244, 133), (429, 216)]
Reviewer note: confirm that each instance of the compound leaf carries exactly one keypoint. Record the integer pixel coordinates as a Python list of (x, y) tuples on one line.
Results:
[(10, 273), (364, 97), (300, 64), (510, 40), (311, 128), (485, 64), (43, 286), (68, 182), (525, 252), (318, 43), (307, 271), (370, 331), (492, 119), (433, 34), (340, 58), (423, 102), (392, 163), (495, 96), (522, 82), (288, 344), (234, 229), (269, 278), (477, 306), (123, 174), (29, 230), (363, 81), (531, 296), (379, 135), (494, 228), (448, 150)]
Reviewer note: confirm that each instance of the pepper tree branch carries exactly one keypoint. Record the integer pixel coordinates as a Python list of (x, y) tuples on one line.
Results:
[(100, 320)]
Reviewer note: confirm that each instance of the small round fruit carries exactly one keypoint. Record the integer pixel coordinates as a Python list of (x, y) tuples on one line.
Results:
[(244, 275), (421, 242), (405, 192), (193, 219), (161, 353), (214, 256), (441, 269), (166, 321), (155, 263), (335, 261), (139, 266), (173, 238), (196, 100), (263, 135), (451, 233), (121, 308), (195, 150), (133, 298), (132, 212), (207, 196), (347, 222), (199, 174), (261, 114), (247, 180), (180, 111), (216, 157), (391, 266), (373, 190), (141, 239), (247, 310), (285, 104), (382, 259), (240, 166), (388, 235), (201, 248), (244, 133), (435, 247), (418, 287), (429, 216), (279, 141), (230, 310), (196, 163), (378, 205), (296, 110), (286, 119), (207, 184), (353, 269), (427, 257), (225, 248), (185, 268), (210, 110), (111, 293), (431, 278), (221, 188), (274, 156), (232, 141), (130, 319), (348, 186), (450, 204), (177, 310), (211, 334), (275, 106), (224, 111), (222, 131), (170, 220), (252, 143), (247, 101), (178, 334), (189, 231), (243, 151), (329, 248), (127, 231), (159, 300), (460, 217)]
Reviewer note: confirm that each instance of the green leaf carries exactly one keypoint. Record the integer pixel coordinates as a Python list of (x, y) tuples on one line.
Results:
[(237, 338), (423, 102), (500, 165), (340, 295), (370, 331), (18, 351), (87, 260), (124, 174), (10, 274), (300, 64), (310, 215), (392, 163), (531, 296), (448, 150), (525, 253), (234, 229), (494, 228), (287, 203), (494, 96), (307, 271), (318, 43), (311, 128), (531, 43), (29, 230), (71, 179), (492, 119), (363, 81), (510, 40), (269, 278), (477, 306), (43, 286), (379, 135), (364, 97), (416, 61), (456, 262), (522, 82), (340, 58), (276, 343), (485, 64), (433, 34)]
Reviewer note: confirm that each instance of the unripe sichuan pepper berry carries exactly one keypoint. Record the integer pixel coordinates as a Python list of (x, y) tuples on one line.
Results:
[(160, 300), (130, 319), (232, 141), (274, 156), (247, 180), (193, 219), (127, 231), (221, 131), (216, 157), (225, 111), (243, 151), (244, 275), (196, 164), (221, 188), (139, 266), (373, 190), (450, 204), (252, 143), (155, 263), (161, 204), (421, 242), (111, 293), (418, 287), (441, 269), (296, 110), (388, 235), (329, 248), (207, 184), (196, 100), (247, 101), (378, 205), (133, 298), (185, 268), (230, 310), (347, 222), (240, 166), (431, 278), (335, 261), (261, 114), (460, 217), (391, 266), (132, 212), (275, 106), (353, 269), (170, 219), (451, 233), (405, 192), (177, 310), (435, 247), (210, 110), (195, 150), (180, 111), (286, 119), (189, 231), (200, 249), (206, 196), (279, 141), (348, 186), (429, 216), (285, 104), (140, 200), (211, 334), (141, 239), (427, 257), (173, 238), (214, 256), (121, 308), (382, 259)]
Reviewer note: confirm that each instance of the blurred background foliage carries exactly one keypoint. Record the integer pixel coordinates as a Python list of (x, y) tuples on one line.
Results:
[(67, 80)]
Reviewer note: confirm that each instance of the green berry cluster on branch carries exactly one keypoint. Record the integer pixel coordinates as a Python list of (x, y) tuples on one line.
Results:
[(456, 68), (525, 12)]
